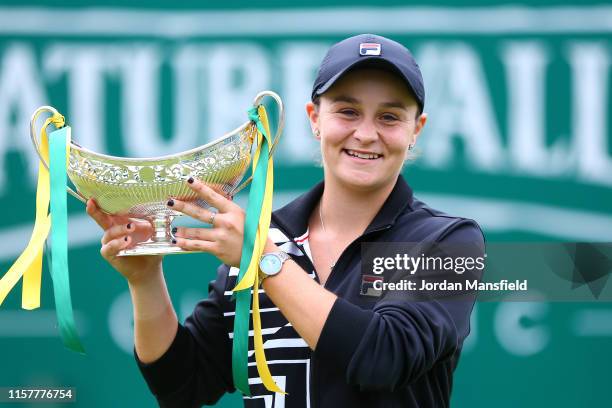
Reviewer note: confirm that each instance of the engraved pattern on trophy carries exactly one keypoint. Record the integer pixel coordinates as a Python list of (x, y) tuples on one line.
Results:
[(138, 188)]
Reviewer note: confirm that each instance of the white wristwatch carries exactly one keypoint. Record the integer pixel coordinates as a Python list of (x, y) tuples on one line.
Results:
[(270, 264)]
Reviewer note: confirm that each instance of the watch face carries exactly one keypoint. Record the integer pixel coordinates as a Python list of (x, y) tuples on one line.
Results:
[(270, 264)]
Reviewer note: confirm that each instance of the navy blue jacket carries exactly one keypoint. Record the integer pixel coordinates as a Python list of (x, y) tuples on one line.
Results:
[(373, 351)]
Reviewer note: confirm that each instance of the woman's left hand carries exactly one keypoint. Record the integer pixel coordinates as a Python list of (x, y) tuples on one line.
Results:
[(224, 239)]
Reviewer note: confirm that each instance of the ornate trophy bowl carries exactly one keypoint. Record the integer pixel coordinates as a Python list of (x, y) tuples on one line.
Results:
[(140, 187)]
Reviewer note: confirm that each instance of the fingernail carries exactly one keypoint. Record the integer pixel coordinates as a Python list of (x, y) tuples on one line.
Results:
[(125, 239), (190, 180), (170, 203), (174, 241), (129, 226), (174, 229)]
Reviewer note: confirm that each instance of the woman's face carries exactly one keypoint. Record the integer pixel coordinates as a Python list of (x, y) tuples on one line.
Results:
[(366, 121)]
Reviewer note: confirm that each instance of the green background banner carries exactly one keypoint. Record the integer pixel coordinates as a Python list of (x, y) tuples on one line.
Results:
[(518, 138)]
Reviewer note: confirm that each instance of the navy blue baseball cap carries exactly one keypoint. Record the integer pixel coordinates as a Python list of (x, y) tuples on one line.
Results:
[(369, 50)]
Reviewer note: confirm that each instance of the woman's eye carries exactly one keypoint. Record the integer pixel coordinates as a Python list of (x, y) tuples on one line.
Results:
[(389, 118), (348, 112)]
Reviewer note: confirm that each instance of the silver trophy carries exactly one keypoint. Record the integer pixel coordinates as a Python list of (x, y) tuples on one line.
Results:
[(140, 187)]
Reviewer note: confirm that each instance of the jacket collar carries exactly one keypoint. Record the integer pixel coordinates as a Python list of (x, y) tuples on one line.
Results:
[(293, 217)]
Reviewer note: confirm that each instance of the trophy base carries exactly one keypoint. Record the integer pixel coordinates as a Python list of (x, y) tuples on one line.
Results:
[(154, 248)]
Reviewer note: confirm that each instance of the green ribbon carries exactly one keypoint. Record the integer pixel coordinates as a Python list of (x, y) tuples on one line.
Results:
[(59, 240), (243, 297)]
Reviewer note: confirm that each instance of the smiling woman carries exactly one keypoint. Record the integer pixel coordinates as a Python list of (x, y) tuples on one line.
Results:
[(331, 340)]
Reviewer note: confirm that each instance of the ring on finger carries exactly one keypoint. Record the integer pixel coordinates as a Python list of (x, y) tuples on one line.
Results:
[(211, 220)]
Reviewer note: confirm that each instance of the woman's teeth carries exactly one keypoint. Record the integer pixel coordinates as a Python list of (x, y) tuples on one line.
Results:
[(369, 156)]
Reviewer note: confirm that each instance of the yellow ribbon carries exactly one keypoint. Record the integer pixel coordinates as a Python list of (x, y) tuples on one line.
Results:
[(251, 277), (29, 263)]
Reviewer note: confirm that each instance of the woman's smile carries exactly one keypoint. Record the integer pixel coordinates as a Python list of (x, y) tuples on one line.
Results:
[(362, 156)]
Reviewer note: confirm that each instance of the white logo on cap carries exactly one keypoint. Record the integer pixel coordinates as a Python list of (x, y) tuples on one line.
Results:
[(369, 49)]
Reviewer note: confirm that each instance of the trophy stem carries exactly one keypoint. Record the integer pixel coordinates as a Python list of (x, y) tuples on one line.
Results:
[(160, 242), (162, 226)]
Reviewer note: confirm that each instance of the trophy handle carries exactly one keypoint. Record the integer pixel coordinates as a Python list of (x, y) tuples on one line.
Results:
[(279, 130), (37, 113), (281, 115)]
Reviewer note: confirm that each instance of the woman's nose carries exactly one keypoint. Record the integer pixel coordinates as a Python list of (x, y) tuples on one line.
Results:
[(366, 132)]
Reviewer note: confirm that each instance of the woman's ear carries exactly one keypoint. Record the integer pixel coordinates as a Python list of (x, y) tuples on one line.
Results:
[(313, 116), (420, 124), (418, 127)]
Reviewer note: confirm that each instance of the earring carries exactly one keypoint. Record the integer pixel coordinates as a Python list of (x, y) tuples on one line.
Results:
[(317, 132), (410, 146)]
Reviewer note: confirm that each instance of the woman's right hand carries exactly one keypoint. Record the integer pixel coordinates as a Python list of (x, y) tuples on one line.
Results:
[(120, 233)]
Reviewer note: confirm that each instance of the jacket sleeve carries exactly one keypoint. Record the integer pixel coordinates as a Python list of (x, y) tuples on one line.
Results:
[(398, 340), (196, 368)]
